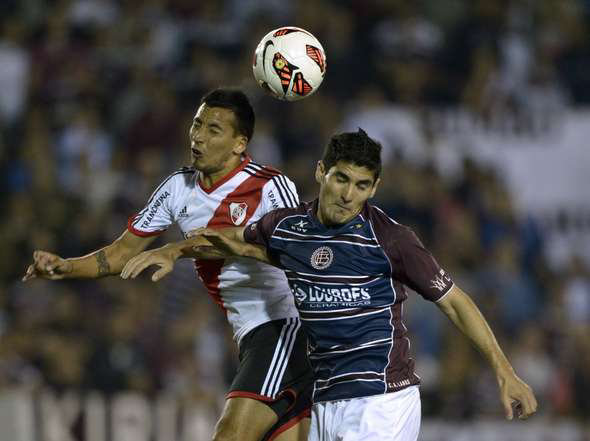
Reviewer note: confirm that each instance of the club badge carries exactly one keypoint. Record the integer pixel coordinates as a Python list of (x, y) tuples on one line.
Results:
[(237, 212), (322, 258)]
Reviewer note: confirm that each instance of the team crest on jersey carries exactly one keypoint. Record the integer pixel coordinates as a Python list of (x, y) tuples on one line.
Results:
[(237, 212), (322, 258)]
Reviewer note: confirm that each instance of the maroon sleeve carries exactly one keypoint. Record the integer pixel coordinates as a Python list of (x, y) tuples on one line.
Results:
[(418, 269), (259, 232), (412, 264)]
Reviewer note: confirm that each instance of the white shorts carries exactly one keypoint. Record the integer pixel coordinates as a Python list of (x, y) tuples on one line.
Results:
[(389, 417)]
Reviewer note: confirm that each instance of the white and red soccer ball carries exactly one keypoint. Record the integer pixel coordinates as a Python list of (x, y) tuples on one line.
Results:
[(289, 63)]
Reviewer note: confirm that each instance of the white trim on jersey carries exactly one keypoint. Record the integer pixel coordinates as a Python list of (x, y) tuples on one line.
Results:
[(379, 311), (280, 358), (325, 241), (328, 380), (385, 214), (329, 283), (446, 293), (299, 273), (366, 345), (319, 236)]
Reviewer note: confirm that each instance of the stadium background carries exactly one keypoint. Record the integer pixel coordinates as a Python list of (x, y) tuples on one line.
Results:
[(482, 108)]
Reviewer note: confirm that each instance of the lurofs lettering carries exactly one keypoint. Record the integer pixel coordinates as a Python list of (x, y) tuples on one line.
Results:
[(154, 208), (326, 297)]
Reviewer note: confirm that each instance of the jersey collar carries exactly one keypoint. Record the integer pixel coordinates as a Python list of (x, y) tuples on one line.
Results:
[(227, 177)]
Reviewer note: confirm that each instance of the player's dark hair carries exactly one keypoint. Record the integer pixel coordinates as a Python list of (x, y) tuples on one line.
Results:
[(355, 147), (236, 101)]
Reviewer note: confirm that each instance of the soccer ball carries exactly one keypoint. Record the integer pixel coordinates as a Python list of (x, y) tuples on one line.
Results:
[(289, 63)]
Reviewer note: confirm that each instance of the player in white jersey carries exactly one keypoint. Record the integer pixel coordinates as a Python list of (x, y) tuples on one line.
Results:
[(270, 395)]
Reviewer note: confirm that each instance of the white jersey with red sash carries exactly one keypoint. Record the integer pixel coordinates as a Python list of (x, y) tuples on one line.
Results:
[(250, 292)]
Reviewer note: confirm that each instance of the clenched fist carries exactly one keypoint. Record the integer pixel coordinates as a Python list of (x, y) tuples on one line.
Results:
[(47, 265)]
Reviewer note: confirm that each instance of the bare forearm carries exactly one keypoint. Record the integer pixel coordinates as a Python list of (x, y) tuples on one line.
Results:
[(468, 318), (459, 307), (107, 261), (218, 244)]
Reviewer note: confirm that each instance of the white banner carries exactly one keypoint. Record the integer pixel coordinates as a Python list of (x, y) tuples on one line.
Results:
[(72, 416)]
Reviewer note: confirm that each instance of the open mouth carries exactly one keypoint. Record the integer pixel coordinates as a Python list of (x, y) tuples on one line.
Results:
[(196, 154)]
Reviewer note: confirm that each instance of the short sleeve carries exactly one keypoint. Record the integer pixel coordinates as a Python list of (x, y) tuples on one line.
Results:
[(279, 192), (157, 215), (412, 264)]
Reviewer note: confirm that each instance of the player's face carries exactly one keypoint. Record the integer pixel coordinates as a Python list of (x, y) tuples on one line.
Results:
[(343, 191), (216, 146)]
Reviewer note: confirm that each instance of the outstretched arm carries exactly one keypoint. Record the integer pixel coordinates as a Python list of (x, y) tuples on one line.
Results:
[(230, 241), (106, 261), (459, 307), (203, 243)]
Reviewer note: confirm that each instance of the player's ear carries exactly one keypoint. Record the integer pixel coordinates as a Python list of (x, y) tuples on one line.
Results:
[(241, 144), (320, 172), (374, 189)]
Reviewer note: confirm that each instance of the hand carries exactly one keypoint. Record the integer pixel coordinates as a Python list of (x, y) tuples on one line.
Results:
[(208, 245), (515, 392), (211, 236), (163, 257), (47, 266), (203, 232)]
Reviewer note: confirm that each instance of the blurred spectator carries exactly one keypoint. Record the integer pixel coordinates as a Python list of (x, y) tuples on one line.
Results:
[(15, 65), (84, 151)]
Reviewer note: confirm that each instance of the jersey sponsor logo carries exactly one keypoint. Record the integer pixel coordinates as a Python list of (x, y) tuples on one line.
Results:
[(237, 212), (154, 209), (273, 200), (441, 281), (322, 258), (321, 297)]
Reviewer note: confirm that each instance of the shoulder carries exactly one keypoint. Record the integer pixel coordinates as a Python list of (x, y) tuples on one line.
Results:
[(281, 214), (279, 190), (388, 229), (265, 171), (275, 217), (184, 175), (174, 183)]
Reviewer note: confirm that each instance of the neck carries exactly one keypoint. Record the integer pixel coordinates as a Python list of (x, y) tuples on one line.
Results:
[(209, 179), (328, 223)]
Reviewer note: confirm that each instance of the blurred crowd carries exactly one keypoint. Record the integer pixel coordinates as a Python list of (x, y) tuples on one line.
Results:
[(96, 97)]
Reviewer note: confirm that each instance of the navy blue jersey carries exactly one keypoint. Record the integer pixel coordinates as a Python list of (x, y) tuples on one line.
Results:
[(349, 286)]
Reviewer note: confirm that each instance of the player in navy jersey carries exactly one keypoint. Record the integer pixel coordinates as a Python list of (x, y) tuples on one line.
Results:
[(270, 396), (348, 266)]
